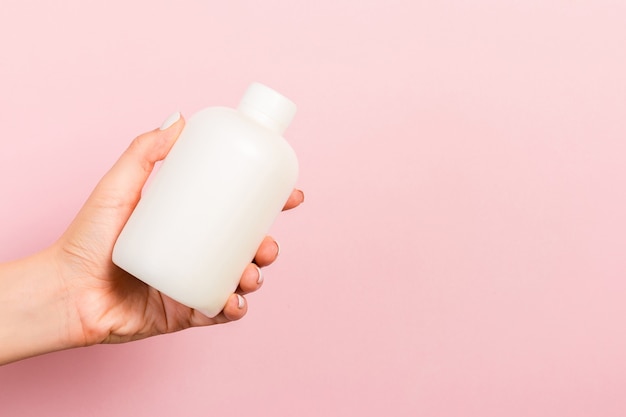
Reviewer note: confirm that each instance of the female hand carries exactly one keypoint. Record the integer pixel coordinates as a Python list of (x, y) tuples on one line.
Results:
[(87, 298)]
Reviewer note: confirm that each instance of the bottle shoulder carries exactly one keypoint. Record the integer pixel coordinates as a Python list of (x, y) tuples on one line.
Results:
[(234, 125), (233, 130)]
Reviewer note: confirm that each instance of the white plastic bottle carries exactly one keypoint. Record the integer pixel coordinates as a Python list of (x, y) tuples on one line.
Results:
[(212, 202)]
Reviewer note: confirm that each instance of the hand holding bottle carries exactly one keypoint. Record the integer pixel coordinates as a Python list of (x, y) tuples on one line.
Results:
[(71, 294)]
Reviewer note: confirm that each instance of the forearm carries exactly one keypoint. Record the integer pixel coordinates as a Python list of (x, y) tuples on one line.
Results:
[(34, 313)]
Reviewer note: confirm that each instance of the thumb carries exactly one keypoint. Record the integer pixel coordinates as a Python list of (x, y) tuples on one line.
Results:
[(121, 187)]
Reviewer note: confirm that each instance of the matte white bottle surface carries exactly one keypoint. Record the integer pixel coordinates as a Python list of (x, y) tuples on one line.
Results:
[(212, 202)]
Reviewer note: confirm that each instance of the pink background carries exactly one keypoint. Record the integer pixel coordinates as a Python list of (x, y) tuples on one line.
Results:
[(461, 251)]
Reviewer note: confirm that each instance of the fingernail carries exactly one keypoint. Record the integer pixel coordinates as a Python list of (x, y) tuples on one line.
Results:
[(170, 120), (240, 301), (302, 194), (277, 249), (260, 278)]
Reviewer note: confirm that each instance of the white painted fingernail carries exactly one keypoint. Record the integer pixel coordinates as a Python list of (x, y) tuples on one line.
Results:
[(277, 249), (240, 301), (260, 278), (170, 120)]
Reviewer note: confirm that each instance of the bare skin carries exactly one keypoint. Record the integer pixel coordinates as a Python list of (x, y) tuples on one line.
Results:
[(71, 294)]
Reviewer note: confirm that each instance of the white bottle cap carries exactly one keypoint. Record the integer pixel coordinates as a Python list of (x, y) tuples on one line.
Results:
[(267, 107)]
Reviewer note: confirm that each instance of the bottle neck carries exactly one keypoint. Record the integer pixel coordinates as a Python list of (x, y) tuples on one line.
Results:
[(261, 118), (267, 108)]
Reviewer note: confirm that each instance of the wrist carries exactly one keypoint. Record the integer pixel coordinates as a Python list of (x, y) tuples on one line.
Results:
[(36, 314)]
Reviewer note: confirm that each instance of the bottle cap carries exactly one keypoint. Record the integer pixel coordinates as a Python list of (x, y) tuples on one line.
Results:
[(267, 107)]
